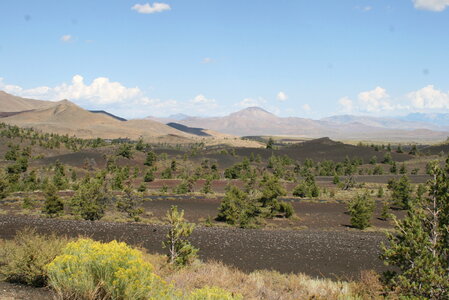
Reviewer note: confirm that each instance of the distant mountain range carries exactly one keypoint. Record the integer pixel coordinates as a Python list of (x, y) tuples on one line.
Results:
[(65, 117), (257, 121)]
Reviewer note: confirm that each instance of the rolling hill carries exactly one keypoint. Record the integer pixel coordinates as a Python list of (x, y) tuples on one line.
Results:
[(10, 103), (255, 121)]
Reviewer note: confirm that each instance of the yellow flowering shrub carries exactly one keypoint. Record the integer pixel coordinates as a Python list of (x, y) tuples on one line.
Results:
[(93, 270), (213, 293)]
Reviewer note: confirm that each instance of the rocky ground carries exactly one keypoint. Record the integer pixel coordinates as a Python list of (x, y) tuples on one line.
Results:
[(334, 254)]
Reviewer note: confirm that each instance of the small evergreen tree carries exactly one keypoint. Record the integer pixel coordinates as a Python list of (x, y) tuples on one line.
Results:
[(53, 204), (387, 158), (270, 143), (420, 247), (207, 188), (401, 192), (149, 176), (125, 150), (385, 215), (180, 251), (4, 185), (361, 210), (150, 159), (90, 199), (128, 203)]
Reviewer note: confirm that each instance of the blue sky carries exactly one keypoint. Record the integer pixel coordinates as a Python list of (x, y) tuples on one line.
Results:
[(209, 57)]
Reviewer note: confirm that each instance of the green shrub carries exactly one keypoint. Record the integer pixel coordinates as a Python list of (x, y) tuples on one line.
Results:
[(237, 208), (24, 259), (286, 208), (93, 270), (213, 293)]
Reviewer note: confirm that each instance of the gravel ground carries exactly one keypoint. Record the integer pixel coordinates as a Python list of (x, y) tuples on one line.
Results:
[(334, 254), (9, 291)]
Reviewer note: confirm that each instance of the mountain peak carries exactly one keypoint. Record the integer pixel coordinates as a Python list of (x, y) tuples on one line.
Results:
[(253, 112)]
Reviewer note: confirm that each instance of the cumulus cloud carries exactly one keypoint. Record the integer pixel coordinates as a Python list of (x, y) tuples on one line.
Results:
[(201, 99), (429, 98), (100, 91), (426, 99), (375, 100), (129, 102), (147, 8), (66, 38), (281, 96), (432, 5)]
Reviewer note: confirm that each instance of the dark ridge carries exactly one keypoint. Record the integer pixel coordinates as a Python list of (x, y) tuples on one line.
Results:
[(436, 149), (11, 113), (191, 130), (108, 114)]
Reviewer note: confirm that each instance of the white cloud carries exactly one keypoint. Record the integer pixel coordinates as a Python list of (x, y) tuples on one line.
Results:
[(207, 60), (346, 104), (147, 8), (306, 107), (429, 98), (201, 99), (66, 38), (100, 91), (281, 96), (432, 5), (375, 100), (250, 102)]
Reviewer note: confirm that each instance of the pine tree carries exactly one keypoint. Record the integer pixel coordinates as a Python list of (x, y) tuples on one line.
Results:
[(129, 203), (270, 143), (53, 205), (149, 176), (401, 192), (420, 248), (4, 186), (207, 188), (180, 251), (361, 210), (90, 199), (150, 159)]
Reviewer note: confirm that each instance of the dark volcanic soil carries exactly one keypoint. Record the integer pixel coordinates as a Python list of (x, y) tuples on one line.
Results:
[(340, 254)]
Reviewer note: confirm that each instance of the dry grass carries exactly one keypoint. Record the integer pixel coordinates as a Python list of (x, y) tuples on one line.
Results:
[(264, 284)]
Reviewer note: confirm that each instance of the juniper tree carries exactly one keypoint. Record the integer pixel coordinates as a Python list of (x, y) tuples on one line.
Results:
[(420, 247)]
